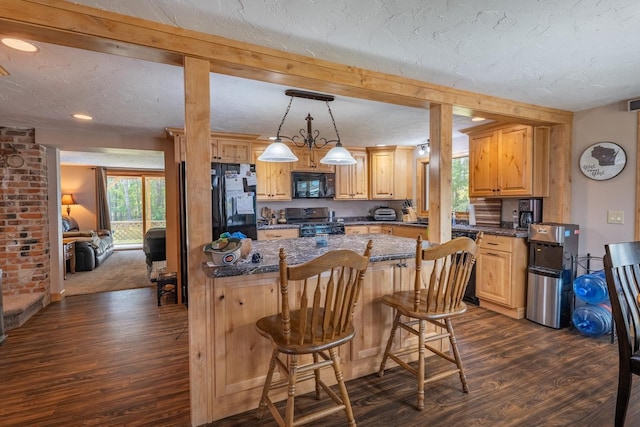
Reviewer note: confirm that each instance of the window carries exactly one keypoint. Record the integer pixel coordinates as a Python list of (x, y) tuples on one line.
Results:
[(136, 203), (459, 185)]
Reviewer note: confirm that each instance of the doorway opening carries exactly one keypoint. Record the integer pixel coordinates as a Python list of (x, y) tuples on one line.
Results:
[(137, 203)]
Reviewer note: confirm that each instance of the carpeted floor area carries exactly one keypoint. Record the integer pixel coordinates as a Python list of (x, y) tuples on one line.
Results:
[(122, 270)]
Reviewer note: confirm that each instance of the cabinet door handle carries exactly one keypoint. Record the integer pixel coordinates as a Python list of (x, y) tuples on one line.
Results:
[(492, 254), (492, 243)]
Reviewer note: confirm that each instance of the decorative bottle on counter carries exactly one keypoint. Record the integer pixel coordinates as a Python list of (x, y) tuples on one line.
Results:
[(514, 218)]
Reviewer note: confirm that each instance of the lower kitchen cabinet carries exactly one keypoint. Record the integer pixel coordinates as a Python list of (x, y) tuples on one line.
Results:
[(381, 229), (501, 274), (283, 233), (356, 229)]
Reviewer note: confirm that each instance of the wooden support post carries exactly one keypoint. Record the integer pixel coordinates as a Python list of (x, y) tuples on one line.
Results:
[(198, 200), (440, 198)]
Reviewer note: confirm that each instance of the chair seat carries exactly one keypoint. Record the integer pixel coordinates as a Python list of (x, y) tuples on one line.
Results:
[(403, 302), (271, 328)]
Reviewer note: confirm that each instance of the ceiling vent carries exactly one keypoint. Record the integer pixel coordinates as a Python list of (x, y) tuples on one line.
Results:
[(634, 104)]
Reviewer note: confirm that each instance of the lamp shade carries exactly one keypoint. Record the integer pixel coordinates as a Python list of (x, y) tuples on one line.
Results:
[(338, 155), (68, 199), (277, 152)]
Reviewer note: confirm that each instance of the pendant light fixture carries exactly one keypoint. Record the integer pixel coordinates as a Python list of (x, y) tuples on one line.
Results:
[(424, 148), (280, 152)]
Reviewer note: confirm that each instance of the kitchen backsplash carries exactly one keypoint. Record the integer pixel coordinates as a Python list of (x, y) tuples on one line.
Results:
[(488, 211), (343, 209)]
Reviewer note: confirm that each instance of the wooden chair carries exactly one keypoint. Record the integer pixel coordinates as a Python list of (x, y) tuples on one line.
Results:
[(622, 270), (329, 287), (436, 303)]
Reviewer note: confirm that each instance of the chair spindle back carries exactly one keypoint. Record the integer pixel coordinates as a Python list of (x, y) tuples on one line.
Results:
[(452, 265), (330, 312)]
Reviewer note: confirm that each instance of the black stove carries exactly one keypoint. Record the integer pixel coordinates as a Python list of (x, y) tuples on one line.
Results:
[(310, 229), (313, 221)]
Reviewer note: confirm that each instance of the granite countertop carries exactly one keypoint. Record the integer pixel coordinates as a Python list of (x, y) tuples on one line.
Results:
[(299, 250), (495, 230)]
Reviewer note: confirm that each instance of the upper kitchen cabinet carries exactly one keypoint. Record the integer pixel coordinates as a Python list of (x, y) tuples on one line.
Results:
[(351, 180), (274, 178), (508, 161), (225, 147), (309, 160), (390, 173)]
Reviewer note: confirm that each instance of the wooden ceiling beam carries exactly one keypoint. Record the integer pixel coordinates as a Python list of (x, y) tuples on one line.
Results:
[(68, 24)]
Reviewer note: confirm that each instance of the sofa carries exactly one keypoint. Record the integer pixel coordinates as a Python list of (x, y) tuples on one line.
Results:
[(92, 247)]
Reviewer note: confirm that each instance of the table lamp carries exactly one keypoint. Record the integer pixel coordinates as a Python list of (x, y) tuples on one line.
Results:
[(68, 200)]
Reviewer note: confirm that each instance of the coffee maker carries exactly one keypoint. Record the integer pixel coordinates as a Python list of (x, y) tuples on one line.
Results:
[(529, 212)]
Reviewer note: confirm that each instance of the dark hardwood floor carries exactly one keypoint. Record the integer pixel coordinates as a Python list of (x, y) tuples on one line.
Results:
[(116, 359), (108, 359)]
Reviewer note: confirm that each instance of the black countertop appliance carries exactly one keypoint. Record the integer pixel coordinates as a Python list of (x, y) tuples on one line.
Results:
[(529, 212)]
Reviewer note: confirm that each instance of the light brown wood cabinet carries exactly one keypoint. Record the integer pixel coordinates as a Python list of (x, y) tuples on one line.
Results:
[(309, 160), (225, 147), (274, 178), (230, 151), (282, 233), (380, 229), (411, 232), (351, 180), (509, 161), (501, 267), (356, 229), (390, 172)]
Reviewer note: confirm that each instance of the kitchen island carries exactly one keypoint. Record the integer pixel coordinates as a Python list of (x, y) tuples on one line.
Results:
[(237, 296)]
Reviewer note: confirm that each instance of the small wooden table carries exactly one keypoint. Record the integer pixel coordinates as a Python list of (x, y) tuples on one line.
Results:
[(69, 248)]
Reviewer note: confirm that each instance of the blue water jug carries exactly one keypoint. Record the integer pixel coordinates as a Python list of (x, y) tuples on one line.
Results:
[(591, 288), (593, 320)]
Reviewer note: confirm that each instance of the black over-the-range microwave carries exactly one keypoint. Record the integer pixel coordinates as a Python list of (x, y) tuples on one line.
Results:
[(310, 185)]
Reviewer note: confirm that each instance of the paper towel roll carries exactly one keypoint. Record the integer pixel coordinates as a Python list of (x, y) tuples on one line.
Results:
[(472, 215)]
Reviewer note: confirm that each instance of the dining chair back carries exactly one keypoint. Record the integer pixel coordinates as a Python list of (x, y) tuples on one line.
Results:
[(622, 271)]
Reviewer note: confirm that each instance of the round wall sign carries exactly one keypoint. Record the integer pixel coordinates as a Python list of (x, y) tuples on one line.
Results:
[(603, 160)]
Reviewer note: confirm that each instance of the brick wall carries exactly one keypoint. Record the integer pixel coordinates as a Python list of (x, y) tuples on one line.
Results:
[(24, 239)]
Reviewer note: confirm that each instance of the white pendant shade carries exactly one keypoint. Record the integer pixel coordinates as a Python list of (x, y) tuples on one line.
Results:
[(277, 152), (338, 156)]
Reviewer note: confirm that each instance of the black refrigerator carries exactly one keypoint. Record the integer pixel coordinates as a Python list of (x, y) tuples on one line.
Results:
[(233, 199)]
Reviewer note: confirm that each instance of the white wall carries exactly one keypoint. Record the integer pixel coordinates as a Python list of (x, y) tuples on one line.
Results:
[(590, 199)]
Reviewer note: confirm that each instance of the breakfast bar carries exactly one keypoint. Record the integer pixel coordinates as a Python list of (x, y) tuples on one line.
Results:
[(241, 294)]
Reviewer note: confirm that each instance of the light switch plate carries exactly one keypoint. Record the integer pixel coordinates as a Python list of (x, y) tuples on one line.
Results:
[(615, 217)]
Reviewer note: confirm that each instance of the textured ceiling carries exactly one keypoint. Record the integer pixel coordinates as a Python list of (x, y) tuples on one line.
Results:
[(570, 55)]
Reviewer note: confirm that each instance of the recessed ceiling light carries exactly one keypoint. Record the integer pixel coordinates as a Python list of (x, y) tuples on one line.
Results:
[(478, 119), (82, 116), (20, 45), (381, 145)]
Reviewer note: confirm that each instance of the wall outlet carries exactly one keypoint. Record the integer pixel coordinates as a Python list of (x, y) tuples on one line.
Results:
[(615, 217)]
